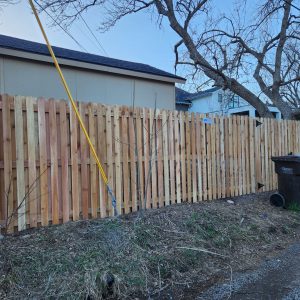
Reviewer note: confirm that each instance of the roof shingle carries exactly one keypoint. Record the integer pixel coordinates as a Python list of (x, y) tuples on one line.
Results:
[(38, 48)]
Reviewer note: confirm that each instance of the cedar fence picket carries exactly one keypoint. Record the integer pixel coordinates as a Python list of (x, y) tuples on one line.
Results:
[(152, 158)]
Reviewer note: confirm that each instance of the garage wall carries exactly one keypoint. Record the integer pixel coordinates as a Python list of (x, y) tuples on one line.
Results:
[(30, 78)]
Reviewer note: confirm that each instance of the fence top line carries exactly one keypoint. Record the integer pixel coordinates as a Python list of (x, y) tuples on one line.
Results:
[(127, 111)]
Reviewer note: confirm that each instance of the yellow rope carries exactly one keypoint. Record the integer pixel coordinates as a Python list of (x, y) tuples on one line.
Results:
[(104, 177)]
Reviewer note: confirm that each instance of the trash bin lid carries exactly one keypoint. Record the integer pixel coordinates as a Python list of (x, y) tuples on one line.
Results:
[(287, 158)]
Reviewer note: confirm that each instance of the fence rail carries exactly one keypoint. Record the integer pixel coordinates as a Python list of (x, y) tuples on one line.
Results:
[(152, 158)]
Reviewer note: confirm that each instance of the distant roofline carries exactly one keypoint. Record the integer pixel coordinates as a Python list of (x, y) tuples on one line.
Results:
[(204, 93), (183, 95), (14, 47)]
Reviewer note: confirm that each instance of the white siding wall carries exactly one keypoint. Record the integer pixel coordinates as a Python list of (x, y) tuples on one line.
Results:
[(210, 104), (29, 78), (206, 104)]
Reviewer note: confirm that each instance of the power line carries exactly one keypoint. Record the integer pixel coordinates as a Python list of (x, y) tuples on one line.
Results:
[(91, 31), (64, 29)]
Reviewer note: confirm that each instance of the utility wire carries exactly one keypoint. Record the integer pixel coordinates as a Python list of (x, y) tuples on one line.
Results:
[(81, 123), (90, 30), (65, 30)]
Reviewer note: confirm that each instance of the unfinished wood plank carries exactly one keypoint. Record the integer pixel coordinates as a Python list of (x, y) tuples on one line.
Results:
[(109, 151), (204, 157), (153, 157), (232, 154), (213, 158), (270, 151), (274, 133), (43, 162), (236, 155), (134, 118), (286, 139), (257, 143), (139, 142), (237, 161), (239, 182), (32, 193), (178, 158), (280, 138), (125, 146), (188, 156), (244, 169), (297, 137), (240, 153), (218, 158), (266, 156), (102, 152), (54, 162), (252, 157), (93, 167), (21, 212), (182, 150), (270, 187), (14, 223), (74, 165), (247, 156), (84, 149), (276, 148), (117, 158), (7, 197), (198, 158), (297, 141), (262, 153), (289, 137), (159, 139), (193, 161), (146, 203), (165, 125), (64, 160), (222, 166), (209, 160), (172, 157), (227, 155)]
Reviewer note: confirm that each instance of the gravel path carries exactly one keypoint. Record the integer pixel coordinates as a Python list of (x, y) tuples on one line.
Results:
[(278, 278)]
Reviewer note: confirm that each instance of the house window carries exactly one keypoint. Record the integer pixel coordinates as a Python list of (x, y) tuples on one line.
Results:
[(234, 102), (220, 98)]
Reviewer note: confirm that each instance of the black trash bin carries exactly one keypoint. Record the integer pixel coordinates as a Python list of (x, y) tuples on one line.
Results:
[(288, 170)]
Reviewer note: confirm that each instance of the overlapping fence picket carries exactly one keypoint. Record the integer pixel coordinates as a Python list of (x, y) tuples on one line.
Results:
[(152, 158)]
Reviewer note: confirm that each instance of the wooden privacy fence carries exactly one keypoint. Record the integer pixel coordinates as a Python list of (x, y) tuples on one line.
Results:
[(48, 175)]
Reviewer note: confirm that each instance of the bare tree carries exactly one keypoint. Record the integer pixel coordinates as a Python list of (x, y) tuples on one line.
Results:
[(248, 42), (6, 2), (291, 91)]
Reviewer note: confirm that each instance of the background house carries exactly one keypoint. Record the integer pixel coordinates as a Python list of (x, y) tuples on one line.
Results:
[(182, 102), (26, 68), (217, 101)]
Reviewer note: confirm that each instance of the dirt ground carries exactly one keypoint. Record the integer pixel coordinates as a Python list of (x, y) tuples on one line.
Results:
[(277, 278), (178, 252)]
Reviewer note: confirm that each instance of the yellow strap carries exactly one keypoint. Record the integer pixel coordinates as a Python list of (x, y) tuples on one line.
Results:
[(69, 94)]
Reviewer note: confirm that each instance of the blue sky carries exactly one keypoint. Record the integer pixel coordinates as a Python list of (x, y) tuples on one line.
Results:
[(135, 38)]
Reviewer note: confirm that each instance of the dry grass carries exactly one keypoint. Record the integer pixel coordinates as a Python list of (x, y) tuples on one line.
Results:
[(176, 251)]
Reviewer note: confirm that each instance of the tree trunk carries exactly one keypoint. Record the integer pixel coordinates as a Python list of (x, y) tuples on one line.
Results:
[(215, 74), (285, 109)]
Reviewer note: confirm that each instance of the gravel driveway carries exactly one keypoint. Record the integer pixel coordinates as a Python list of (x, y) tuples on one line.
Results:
[(277, 278)]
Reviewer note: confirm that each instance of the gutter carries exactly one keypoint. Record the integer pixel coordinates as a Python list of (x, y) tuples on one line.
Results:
[(88, 66)]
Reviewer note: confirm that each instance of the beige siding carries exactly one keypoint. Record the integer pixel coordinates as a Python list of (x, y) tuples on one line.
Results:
[(29, 78)]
